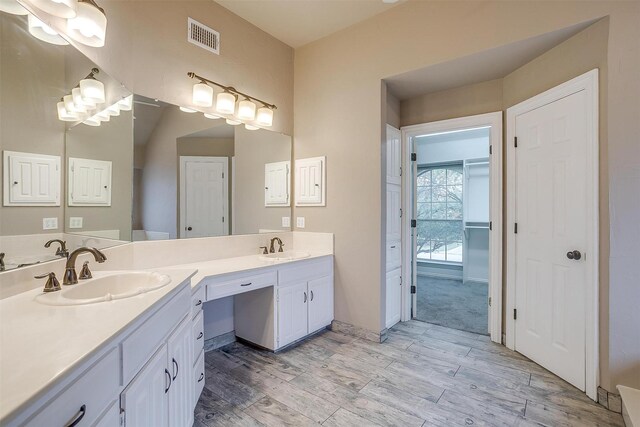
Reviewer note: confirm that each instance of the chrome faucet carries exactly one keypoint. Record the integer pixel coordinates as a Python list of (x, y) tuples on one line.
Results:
[(272, 248), (70, 276), (62, 250)]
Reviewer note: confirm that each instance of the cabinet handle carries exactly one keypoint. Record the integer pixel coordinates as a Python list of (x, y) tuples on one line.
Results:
[(305, 297), (393, 247), (311, 295), (200, 335), (166, 371), (78, 417), (246, 284), (201, 377), (175, 364), (199, 302)]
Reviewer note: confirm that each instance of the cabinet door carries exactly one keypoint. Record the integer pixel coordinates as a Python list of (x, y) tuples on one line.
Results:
[(276, 184), (394, 297), (320, 303), (89, 182), (145, 401), (394, 213), (180, 364), (292, 313), (394, 152)]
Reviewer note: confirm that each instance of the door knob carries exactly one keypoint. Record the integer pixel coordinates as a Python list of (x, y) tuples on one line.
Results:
[(189, 228), (574, 255)]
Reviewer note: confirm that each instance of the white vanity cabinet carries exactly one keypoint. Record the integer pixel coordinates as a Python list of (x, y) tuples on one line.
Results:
[(197, 334)]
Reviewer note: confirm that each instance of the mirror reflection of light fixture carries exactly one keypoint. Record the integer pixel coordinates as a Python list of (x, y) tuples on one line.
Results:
[(225, 103), (13, 7), (126, 103), (65, 115), (113, 110), (42, 31), (92, 121), (89, 26), (265, 116), (246, 110), (202, 95), (250, 127), (212, 116), (232, 122), (103, 116), (187, 110), (92, 90), (60, 8)]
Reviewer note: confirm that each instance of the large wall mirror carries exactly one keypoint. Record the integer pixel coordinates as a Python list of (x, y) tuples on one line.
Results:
[(130, 168)]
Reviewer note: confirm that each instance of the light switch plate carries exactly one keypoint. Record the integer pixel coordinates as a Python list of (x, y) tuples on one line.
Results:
[(300, 222), (286, 221), (49, 223), (75, 222)]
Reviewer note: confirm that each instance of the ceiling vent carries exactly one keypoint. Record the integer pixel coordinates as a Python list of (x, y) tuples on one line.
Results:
[(203, 36)]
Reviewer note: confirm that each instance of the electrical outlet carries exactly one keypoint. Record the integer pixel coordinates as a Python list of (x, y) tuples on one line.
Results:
[(49, 223), (286, 221), (300, 222), (75, 222)]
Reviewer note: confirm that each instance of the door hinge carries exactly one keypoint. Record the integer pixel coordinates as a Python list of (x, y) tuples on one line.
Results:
[(414, 223), (413, 289), (223, 220), (400, 280), (400, 212), (414, 157), (515, 313), (222, 175), (491, 149), (515, 228), (400, 170), (489, 301), (121, 417), (490, 225), (515, 141)]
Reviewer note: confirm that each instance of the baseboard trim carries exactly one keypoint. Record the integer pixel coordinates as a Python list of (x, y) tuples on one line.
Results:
[(609, 400), (219, 341), (356, 331)]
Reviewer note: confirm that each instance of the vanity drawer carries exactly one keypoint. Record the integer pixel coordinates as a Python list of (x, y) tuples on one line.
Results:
[(199, 373), (138, 347), (198, 334), (238, 284), (305, 270), (197, 299), (87, 397)]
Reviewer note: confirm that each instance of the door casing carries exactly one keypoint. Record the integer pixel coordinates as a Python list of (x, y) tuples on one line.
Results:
[(587, 82)]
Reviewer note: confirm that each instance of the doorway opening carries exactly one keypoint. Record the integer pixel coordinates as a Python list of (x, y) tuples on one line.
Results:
[(454, 191)]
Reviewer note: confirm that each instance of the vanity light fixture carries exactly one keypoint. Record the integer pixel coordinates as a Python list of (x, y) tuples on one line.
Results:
[(187, 110), (42, 31), (232, 122), (89, 26), (126, 103), (226, 104), (212, 116), (65, 115), (103, 116), (71, 107), (60, 8), (249, 127), (92, 121), (113, 110), (202, 95), (13, 7), (92, 90), (77, 99)]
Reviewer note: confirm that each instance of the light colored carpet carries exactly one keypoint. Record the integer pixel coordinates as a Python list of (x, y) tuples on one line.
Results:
[(452, 304)]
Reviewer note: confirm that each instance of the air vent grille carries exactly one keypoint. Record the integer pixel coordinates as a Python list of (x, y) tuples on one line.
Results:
[(203, 36)]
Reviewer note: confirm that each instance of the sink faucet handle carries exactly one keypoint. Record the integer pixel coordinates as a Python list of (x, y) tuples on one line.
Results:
[(52, 284), (85, 273), (280, 248), (265, 251)]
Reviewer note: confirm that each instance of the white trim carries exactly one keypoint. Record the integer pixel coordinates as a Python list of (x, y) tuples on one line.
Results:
[(494, 120), (225, 189), (589, 83)]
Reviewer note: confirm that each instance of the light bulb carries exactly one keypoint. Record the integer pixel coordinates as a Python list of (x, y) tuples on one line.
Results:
[(42, 31), (202, 95), (89, 26), (246, 110), (232, 122), (225, 103), (265, 116), (92, 91), (126, 103), (12, 7), (212, 116), (251, 127), (61, 8), (187, 110)]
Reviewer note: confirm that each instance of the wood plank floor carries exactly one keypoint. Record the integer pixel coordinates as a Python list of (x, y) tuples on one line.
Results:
[(423, 375)]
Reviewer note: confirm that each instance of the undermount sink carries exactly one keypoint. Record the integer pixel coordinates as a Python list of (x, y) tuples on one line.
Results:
[(107, 287), (286, 256)]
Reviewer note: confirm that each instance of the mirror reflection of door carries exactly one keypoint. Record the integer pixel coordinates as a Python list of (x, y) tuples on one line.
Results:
[(204, 209)]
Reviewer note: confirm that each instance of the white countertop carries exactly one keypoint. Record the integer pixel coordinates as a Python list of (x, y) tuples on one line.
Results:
[(41, 344)]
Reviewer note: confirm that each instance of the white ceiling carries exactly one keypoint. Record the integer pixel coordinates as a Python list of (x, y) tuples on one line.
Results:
[(479, 67), (298, 22)]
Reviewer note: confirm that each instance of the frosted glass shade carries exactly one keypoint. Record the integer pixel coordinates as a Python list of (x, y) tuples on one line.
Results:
[(77, 99), (225, 103), (12, 7), (89, 26), (71, 106), (126, 103), (265, 116), (246, 110), (113, 110), (187, 110), (42, 31), (60, 8), (103, 116), (232, 122), (212, 116), (92, 121), (202, 95), (64, 115), (92, 91), (249, 127)]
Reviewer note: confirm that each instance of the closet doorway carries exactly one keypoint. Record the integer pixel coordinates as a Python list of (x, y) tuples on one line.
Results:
[(455, 195)]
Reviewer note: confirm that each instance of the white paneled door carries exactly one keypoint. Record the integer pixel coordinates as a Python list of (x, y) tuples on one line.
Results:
[(551, 272), (203, 196)]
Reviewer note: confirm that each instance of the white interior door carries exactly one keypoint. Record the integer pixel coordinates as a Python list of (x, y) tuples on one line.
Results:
[(203, 196), (552, 175)]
